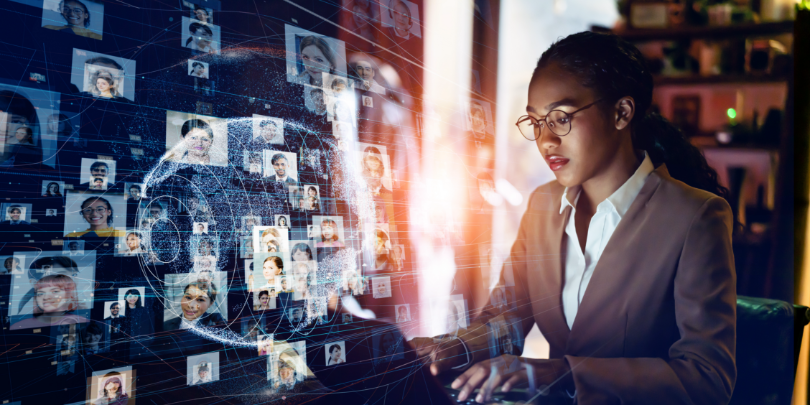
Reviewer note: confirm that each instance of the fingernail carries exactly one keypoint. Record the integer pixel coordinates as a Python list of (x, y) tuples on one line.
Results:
[(462, 396), (479, 399), (433, 370)]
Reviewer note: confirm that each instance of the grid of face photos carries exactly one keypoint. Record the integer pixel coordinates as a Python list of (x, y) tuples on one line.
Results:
[(152, 217)]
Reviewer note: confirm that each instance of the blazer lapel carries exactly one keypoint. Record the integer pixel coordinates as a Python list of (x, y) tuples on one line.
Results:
[(612, 269), (550, 317)]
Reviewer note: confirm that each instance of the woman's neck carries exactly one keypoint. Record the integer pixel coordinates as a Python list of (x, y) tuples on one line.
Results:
[(51, 317), (131, 306), (97, 227), (604, 184)]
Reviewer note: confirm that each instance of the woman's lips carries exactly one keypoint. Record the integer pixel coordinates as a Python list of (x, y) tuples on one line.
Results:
[(557, 164)]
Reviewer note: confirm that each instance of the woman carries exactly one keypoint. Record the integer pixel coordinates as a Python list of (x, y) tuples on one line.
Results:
[(282, 221), (269, 239), (77, 17), (52, 190), (200, 39), (103, 84), (197, 298), (201, 14), (329, 237), (273, 266), (133, 244), (12, 266), (317, 58), (198, 138), (203, 374), (264, 300), (301, 252), (54, 304), (112, 390), (198, 70), (98, 213), (335, 355), (658, 323), (20, 114), (265, 345)]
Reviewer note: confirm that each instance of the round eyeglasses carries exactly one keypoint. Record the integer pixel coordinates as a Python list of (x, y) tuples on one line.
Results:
[(559, 122)]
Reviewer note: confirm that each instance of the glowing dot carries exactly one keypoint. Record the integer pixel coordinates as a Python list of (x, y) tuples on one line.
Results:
[(731, 113)]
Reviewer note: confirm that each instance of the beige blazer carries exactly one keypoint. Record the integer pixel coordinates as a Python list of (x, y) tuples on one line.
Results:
[(657, 324)]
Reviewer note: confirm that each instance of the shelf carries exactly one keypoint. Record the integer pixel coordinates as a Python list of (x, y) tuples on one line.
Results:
[(708, 32), (717, 79)]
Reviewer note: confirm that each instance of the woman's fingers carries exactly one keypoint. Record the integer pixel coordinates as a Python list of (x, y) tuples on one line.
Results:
[(514, 380), (475, 376), (494, 380)]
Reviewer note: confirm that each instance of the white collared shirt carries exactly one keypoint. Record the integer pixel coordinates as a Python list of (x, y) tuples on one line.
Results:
[(579, 267)]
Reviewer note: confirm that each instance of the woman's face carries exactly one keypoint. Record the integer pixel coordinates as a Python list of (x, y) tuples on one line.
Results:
[(199, 70), (194, 303), (201, 15), (327, 231), (133, 241), (102, 85), (402, 18), (53, 188), (270, 270), (381, 288), (96, 214), (336, 354), (594, 139), (51, 298), (132, 299), (198, 142), (300, 256), (74, 14), (286, 374), (263, 300), (360, 17), (282, 221), (111, 388), (315, 61), (15, 122), (202, 38), (312, 192)]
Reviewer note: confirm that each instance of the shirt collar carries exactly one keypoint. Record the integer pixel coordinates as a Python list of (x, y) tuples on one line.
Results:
[(622, 198)]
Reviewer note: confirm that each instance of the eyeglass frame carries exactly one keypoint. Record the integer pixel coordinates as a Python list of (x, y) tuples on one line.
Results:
[(545, 119)]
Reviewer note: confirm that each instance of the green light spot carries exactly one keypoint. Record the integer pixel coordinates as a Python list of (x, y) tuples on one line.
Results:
[(731, 113)]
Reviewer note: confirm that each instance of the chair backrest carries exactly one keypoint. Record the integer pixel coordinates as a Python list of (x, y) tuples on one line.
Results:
[(767, 333)]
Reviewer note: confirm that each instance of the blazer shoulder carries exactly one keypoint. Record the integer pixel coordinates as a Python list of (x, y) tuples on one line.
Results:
[(546, 197), (676, 193)]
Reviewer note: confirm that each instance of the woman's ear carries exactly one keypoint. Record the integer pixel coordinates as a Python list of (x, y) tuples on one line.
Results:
[(625, 110)]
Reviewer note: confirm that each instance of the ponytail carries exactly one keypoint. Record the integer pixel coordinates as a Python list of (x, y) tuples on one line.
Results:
[(614, 68)]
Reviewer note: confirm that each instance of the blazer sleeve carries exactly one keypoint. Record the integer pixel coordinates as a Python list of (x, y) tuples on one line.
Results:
[(701, 365), (476, 335)]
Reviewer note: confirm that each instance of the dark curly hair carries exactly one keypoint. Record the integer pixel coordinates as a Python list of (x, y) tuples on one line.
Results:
[(614, 68)]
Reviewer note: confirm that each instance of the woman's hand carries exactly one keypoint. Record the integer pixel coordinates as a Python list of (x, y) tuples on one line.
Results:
[(508, 371), (441, 354)]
